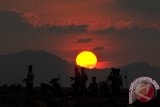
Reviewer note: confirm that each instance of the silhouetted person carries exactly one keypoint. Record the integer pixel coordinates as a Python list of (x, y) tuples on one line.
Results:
[(77, 82), (57, 91), (104, 88), (109, 81), (52, 90), (116, 82), (119, 81), (29, 80), (84, 79), (93, 87)]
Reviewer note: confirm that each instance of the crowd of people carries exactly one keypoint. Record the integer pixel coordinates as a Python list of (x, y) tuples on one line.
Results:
[(110, 87)]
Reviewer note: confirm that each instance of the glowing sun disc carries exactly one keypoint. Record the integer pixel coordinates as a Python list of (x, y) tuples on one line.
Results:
[(86, 59)]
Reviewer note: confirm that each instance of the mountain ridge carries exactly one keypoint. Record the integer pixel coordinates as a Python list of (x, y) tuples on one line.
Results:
[(47, 66)]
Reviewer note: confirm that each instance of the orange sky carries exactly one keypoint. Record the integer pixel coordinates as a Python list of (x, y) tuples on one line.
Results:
[(101, 13), (118, 31)]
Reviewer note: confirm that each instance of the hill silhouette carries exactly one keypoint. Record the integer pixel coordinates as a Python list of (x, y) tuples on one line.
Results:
[(141, 69), (13, 67)]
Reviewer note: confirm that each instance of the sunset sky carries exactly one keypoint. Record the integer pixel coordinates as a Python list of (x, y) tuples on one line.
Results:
[(119, 32)]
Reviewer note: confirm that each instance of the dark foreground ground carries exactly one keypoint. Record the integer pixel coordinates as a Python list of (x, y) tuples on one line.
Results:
[(17, 97)]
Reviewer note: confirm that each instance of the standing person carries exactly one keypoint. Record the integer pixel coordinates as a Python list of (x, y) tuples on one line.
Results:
[(104, 88), (116, 82), (119, 82), (109, 80), (93, 87), (29, 80), (84, 79), (77, 80)]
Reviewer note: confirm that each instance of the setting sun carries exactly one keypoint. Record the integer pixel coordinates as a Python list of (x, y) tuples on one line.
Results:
[(86, 59)]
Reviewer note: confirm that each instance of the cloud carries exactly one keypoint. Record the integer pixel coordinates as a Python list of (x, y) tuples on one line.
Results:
[(98, 48), (151, 6), (69, 29), (103, 64), (13, 22), (134, 31), (90, 12), (32, 18), (17, 22), (84, 40), (18, 31)]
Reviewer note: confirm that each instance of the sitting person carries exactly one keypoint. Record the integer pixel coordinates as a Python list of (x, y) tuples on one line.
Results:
[(54, 89)]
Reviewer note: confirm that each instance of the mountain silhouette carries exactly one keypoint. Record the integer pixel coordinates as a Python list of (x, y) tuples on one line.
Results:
[(140, 69), (13, 67)]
